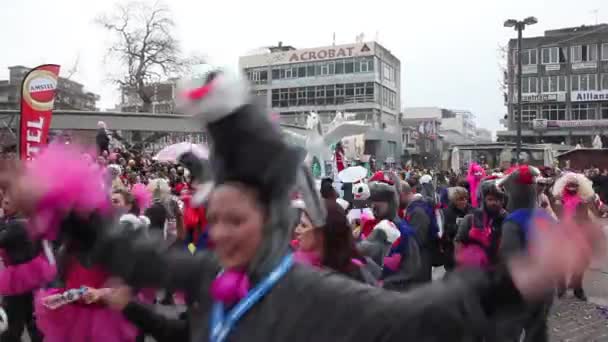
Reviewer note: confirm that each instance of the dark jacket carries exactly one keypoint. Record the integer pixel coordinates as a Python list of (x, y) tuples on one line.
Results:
[(476, 219), (306, 304), (159, 326), (420, 222), (452, 217)]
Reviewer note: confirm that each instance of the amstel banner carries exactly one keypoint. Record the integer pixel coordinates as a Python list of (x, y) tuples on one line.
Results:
[(37, 98)]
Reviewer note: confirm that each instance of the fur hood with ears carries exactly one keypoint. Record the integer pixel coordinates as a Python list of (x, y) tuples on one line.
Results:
[(585, 186)]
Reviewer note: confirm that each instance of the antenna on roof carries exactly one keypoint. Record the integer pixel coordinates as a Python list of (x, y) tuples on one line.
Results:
[(334, 39), (596, 13)]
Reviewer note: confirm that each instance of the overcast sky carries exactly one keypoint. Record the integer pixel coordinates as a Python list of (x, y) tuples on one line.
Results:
[(448, 49)]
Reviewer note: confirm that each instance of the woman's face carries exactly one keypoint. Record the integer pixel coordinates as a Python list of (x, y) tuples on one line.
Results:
[(118, 201), (306, 234), (461, 202), (236, 221)]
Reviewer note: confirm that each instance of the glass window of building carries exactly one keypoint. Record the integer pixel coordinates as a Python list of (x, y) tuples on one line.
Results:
[(528, 57), (604, 82), (349, 66), (552, 84), (605, 51), (583, 111), (553, 55), (554, 112), (584, 53), (529, 85), (339, 67), (584, 82), (604, 111), (528, 113)]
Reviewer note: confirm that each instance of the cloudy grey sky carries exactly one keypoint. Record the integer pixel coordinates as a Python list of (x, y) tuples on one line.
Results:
[(448, 49)]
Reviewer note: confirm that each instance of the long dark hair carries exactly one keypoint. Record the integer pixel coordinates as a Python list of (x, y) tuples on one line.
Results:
[(338, 244)]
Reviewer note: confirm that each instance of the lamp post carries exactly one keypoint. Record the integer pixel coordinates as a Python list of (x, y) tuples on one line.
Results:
[(519, 26)]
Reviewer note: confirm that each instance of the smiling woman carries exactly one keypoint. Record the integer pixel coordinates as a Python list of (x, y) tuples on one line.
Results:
[(269, 294)]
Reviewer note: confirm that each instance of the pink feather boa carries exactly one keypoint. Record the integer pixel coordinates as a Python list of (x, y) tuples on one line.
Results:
[(23, 278), (69, 183), (570, 202)]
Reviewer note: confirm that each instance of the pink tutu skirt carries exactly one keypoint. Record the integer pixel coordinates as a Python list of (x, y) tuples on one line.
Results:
[(80, 322), (26, 277)]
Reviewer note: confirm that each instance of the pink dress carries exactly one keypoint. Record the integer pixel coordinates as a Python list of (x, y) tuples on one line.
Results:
[(77, 322)]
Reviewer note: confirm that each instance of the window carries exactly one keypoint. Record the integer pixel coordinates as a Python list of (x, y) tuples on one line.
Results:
[(339, 67), (364, 65), (584, 53), (302, 71), (388, 73), (529, 85), (604, 111), (583, 111), (310, 70), (584, 82), (553, 55), (359, 89), (554, 112), (349, 66), (553, 84), (528, 113), (320, 95), (324, 69), (605, 52), (528, 57), (604, 84)]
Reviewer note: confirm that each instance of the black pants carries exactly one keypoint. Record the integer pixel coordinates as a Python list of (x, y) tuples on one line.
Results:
[(20, 312)]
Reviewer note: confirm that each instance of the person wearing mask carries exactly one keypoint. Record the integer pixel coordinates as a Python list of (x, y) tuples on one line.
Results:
[(457, 209), (251, 290)]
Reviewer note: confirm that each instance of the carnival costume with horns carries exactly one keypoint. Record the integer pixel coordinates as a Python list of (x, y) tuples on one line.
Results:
[(284, 301), (523, 221)]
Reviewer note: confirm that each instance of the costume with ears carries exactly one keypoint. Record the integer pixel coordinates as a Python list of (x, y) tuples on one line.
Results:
[(523, 221), (296, 303)]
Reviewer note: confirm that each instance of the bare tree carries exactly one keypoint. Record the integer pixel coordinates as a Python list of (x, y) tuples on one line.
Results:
[(144, 46)]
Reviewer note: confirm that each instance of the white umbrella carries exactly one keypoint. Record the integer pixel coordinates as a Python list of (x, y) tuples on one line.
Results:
[(172, 152), (352, 174), (455, 162)]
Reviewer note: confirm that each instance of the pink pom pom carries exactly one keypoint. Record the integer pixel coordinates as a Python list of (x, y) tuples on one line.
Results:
[(230, 287), (70, 183)]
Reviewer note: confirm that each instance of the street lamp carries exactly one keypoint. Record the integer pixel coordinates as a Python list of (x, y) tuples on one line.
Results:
[(519, 26)]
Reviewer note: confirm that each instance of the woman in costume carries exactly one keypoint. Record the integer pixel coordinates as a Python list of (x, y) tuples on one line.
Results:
[(26, 269), (574, 196), (331, 246), (79, 317), (474, 178), (261, 295)]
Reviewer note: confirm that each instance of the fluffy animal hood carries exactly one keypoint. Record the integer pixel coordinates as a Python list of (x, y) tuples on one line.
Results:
[(519, 185), (247, 148), (585, 186)]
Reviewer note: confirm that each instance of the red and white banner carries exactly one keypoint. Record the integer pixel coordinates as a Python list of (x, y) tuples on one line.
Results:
[(37, 99)]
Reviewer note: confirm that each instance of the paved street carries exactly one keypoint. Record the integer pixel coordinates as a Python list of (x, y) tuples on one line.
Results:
[(573, 321)]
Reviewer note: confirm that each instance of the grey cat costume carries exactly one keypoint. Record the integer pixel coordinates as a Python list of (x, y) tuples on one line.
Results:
[(304, 304)]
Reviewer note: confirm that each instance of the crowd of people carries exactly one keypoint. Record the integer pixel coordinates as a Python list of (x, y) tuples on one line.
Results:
[(268, 254)]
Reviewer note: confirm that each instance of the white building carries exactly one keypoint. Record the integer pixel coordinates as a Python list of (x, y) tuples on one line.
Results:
[(362, 78)]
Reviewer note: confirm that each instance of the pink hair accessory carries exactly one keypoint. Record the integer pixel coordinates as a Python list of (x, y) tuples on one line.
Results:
[(230, 287)]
